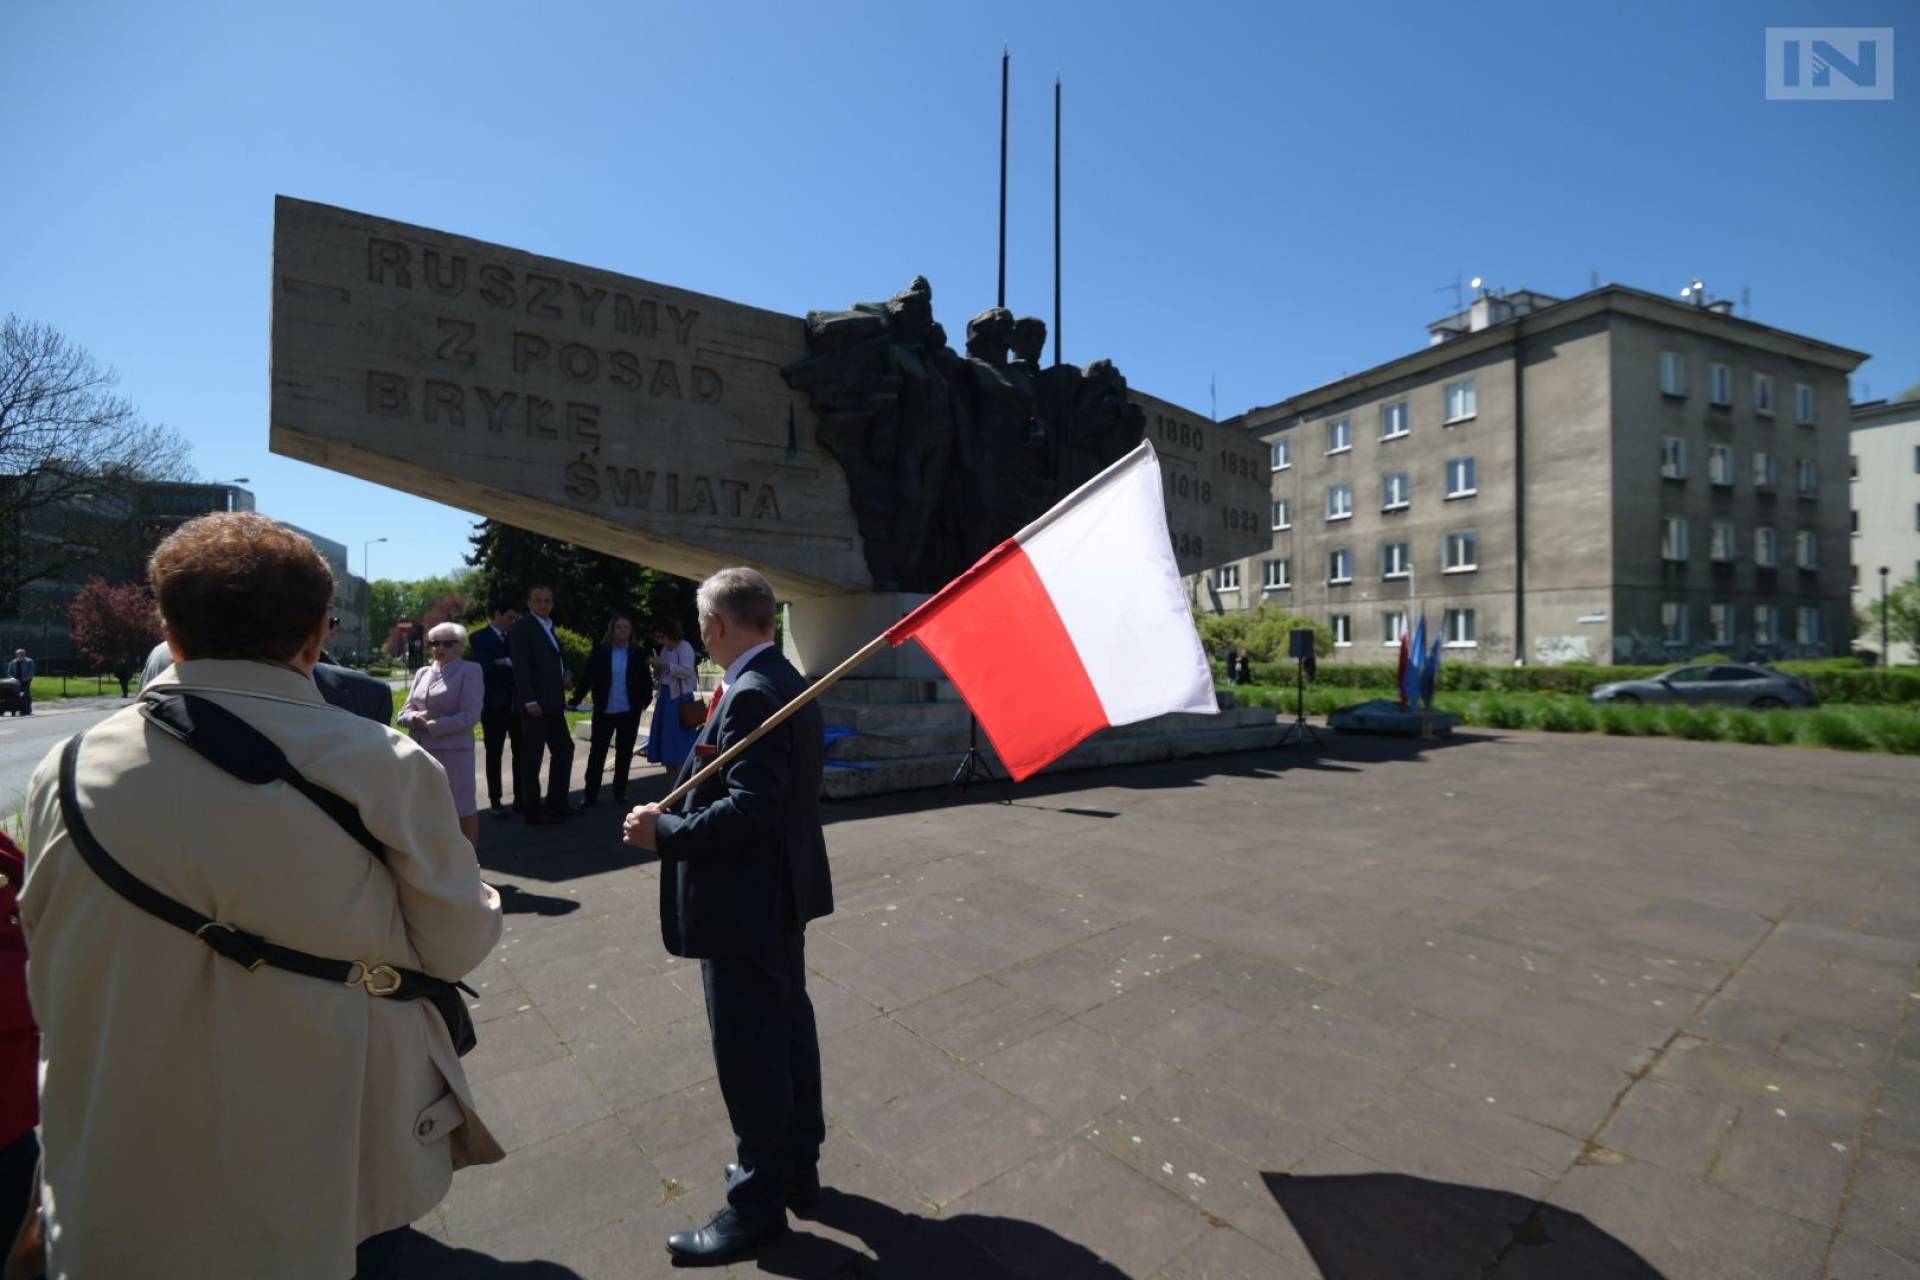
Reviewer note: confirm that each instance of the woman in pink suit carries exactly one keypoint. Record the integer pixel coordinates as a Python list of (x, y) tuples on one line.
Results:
[(442, 709)]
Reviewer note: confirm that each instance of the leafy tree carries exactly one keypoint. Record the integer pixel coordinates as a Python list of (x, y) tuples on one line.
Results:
[(1264, 632), (1911, 393), (115, 626), (1903, 618), (589, 587)]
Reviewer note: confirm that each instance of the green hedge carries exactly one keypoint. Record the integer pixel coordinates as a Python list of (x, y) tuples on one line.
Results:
[(1839, 680)]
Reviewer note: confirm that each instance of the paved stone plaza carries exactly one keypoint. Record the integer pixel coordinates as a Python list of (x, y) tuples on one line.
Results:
[(1514, 1005)]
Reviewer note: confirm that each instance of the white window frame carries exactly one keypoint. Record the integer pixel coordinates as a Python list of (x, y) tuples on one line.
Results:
[(1472, 470), (1673, 374), (1470, 542), (1673, 622), (1338, 559), (1766, 546), (1763, 394), (1387, 559), (1805, 408), (1675, 539), (1393, 625), (1806, 477), (1346, 492), (1469, 396), (1766, 470), (1806, 549), (1339, 429), (1461, 627), (1226, 577), (1723, 542), (1282, 514), (1276, 574), (1766, 624), (1387, 417), (1809, 625), (1719, 385), (1719, 622), (1720, 465), (1387, 501), (1342, 624), (1279, 454), (1673, 458)]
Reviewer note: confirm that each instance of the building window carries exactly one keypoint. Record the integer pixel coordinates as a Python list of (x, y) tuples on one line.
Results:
[(1806, 549), (1853, 522), (1396, 491), (1280, 454), (1339, 566), (1461, 478), (1803, 403), (1719, 624), (1461, 631), (1766, 624), (1673, 538), (1853, 463), (1463, 553), (1673, 374), (1393, 420), (1339, 501), (1766, 547), (1723, 541), (1276, 575), (1766, 470), (1763, 394), (1916, 462), (1393, 625), (1806, 477), (1394, 560), (1342, 629), (1720, 465), (1673, 458), (1719, 384), (1463, 401), (1807, 629), (1673, 621), (1339, 435), (1227, 578), (1282, 514)]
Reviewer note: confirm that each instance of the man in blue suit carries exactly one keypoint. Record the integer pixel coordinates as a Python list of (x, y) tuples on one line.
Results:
[(497, 721), (743, 868)]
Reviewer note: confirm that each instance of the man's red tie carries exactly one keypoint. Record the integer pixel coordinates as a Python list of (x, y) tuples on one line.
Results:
[(713, 708)]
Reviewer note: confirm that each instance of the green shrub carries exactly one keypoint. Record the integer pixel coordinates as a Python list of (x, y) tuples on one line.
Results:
[(1897, 731), (1837, 731), (1564, 715), (1621, 722), (576, 649), (1503, 713), (1747, 726), (1783, 727), (1843, 680), (1697, 724)]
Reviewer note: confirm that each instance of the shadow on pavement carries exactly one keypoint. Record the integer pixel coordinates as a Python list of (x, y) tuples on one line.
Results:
[(517, 901), (425, 1256), (907, 1246), (1391, 1226)]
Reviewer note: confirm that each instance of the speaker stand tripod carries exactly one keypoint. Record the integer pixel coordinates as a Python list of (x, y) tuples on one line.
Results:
[(973, 765), (1300, 732)]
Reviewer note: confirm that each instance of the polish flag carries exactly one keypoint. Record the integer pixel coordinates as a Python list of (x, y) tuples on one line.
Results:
[(1075, 623)]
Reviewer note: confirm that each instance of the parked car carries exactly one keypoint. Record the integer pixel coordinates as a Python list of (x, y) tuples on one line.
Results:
[(1727, 684), (10, 700)]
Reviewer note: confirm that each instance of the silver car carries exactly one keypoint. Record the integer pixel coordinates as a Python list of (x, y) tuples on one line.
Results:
[(1727, 684)]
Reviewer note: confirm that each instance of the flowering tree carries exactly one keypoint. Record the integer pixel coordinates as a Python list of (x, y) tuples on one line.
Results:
[(115, 626)]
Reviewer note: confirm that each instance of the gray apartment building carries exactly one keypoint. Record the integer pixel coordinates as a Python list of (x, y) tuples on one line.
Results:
[(1884, 472), (1614, 477)]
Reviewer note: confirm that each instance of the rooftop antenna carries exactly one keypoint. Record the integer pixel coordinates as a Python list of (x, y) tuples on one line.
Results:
[(1746, 301), (1593, 278), (1213, 395), (1454, 288), (1001, 294), (1056, 221)]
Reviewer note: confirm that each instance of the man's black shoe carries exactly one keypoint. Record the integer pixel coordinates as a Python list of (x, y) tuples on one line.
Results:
[(725, 1239), (803, 1189)]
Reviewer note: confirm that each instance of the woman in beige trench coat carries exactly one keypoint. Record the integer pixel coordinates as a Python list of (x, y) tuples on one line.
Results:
[(200, 1119)]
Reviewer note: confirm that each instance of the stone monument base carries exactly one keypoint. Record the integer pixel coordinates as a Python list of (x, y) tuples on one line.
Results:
[(821, 633)]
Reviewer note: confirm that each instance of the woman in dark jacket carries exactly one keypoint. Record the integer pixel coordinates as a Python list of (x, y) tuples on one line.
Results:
[(621, 688)]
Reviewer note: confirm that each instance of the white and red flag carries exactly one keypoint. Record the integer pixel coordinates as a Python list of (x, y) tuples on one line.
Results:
[(1075, 623)]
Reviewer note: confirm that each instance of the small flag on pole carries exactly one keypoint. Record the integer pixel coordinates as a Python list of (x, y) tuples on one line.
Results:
[(1416, 660), (1075, 623), (1430, 677)]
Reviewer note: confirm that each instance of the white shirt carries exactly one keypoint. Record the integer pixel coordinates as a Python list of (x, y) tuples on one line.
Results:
[(546, 624), (739, 664), (617, 691)]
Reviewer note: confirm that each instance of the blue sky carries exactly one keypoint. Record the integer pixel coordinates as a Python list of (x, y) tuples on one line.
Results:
[(1270, 195)]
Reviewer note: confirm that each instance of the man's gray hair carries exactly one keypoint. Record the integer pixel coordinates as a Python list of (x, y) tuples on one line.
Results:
[(742, 596)]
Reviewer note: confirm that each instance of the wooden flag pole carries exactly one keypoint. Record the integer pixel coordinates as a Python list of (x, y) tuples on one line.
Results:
[(773, 722)]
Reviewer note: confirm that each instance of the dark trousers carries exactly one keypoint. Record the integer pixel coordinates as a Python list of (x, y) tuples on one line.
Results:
[(19, 1162), (621, 730), (498, 728), (767, 1052), (538, 734), (380, 1257)]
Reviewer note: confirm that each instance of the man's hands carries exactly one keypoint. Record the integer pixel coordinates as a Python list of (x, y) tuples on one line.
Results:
[(533, 708), (642, 828)]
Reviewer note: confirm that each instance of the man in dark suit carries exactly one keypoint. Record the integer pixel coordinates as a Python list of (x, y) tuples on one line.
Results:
[(743, 867), (498, 723), (540, 680)]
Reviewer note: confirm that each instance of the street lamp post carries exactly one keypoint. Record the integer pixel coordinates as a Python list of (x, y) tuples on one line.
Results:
[(366, 571), (1886, 654), (235, 480)]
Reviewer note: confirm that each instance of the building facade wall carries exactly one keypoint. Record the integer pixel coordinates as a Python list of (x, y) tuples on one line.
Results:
[(1885, 500)]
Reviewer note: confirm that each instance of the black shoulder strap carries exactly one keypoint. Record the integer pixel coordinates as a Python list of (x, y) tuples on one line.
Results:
[(235, 747)]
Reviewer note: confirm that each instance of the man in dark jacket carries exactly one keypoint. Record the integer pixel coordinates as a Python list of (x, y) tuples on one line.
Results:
[(540, 680), (498, 724), (743, 867)]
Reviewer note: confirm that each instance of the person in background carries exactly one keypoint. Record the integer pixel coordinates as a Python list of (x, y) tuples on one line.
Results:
[(540, 680), (1243, 674), (200, 1118), (19, 1051), (617, 679), (677, 672), (443, 706), (21, 669), (498, 724)]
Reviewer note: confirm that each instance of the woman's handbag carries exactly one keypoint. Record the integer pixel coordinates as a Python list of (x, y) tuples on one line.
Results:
[(693, 713), (237, 748)]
